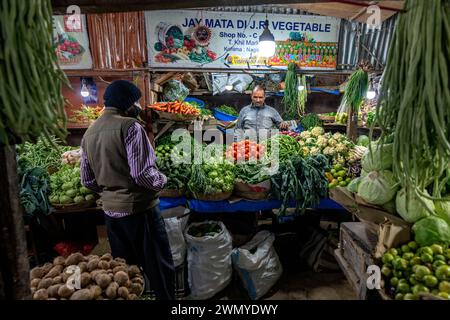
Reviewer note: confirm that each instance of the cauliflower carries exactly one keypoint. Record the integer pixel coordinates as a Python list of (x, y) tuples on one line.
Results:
[(340, 147), (305, 135), (311, 141), (337, 136), (314, 151), (322, 142), (332, 142), (305, 151), (301, 142), (317, 131)]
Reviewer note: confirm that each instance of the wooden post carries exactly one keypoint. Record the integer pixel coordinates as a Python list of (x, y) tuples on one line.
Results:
[(14, 265), (352, 125)]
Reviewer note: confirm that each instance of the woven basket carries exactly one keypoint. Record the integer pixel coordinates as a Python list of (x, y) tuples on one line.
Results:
[(213, 197), (76, 206), (171, 193), (327, 118), (175, 116)]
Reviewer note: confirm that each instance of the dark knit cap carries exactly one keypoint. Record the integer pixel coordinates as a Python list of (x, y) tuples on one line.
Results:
[(121, 94)]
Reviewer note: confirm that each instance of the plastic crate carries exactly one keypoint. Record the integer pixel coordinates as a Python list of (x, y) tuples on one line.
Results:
[(200, 103)]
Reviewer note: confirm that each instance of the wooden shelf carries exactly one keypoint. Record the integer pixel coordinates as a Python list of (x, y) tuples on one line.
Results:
[(104, 72)]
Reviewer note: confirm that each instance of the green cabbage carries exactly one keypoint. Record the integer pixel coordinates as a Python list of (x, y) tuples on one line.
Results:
[(412, 209), (379, 159), (353, 185), (363, 140), (378, 187), (390, 206), (443, 210), (431, 230)]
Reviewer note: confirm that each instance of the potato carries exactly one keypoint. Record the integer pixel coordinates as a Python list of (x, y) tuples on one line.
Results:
[(62, 299), (52, 299), (107, 256), (103, 280), (83, 294), (138, 280), (111, 291), (120, 268), (33, 290), (134, 271), (120, 299), (136, 288), (96, 272), (41, 294), (121, 278), (113, 264), (91, 256), (47, 267), (132, 296), (96, 291), (65, 276), (35, 282), (128, 283), (53, 290), (85, 279), (120, 260), (57, 280), (65, 292), (59, 261), (123, 292), (37, 273), (45, 283), (54, 272), (74, 259), (83, 267), (92, 264), (103, 264)]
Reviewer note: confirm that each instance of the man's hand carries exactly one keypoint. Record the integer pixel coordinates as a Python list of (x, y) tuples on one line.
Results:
[(284, 125)]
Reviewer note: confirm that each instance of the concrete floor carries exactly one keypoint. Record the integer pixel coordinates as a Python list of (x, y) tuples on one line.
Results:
[(312, 286)]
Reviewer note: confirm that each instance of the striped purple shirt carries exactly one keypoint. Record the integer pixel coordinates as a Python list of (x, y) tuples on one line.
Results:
[(141, 160)]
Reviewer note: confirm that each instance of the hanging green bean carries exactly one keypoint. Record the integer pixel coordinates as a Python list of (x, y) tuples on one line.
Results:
[(31, 103)]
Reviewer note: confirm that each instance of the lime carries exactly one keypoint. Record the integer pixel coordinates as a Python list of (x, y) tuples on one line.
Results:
[(444, 286), (337, 167), (415, 261), (394, 282), (439, 257), (421, 271), (413, 245), (399, 296), (435, 292), (348, 180), (437, 249), (387, 258), (340, 179), (406, 248), (410, 296), (426, 250), (426, 258), (386, 271), (444, 295), (408, 256), (413, 280), (403, 287), (443, 272), (447, 253), (420, 288), (400, 264), (430, 281), (397, 273), (342, 184), (438, 263), (333, 172), (393, 251)]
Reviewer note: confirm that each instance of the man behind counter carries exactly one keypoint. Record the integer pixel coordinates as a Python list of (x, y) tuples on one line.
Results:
[(257, 119)]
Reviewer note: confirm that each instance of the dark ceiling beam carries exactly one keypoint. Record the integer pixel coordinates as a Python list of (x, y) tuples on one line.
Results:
[(100, 6)]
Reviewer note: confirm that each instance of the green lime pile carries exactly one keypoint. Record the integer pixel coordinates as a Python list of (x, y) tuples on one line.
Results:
[(338, 176), (411, 270)]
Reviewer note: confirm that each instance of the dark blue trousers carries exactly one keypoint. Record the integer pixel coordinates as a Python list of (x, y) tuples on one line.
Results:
[(141, 239)]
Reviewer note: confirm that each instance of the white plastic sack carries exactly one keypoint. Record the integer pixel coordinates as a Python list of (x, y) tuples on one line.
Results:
[(175, 228), (209, 262), (258, 271)]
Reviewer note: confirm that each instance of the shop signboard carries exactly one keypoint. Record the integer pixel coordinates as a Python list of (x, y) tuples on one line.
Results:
[(211, 39), (71, 42)]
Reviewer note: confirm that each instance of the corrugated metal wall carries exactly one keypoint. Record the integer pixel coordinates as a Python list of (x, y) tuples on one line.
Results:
[(376, 41)]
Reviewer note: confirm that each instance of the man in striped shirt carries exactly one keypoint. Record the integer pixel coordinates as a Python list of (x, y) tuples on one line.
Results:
[(118, 162)]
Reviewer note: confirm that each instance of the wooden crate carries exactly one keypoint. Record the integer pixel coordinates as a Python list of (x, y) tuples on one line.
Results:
[(355, 254)]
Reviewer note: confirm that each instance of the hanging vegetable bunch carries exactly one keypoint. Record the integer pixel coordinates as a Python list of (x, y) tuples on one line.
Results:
[(355, 92), (30, 79), (294, 100), (415, 96)]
